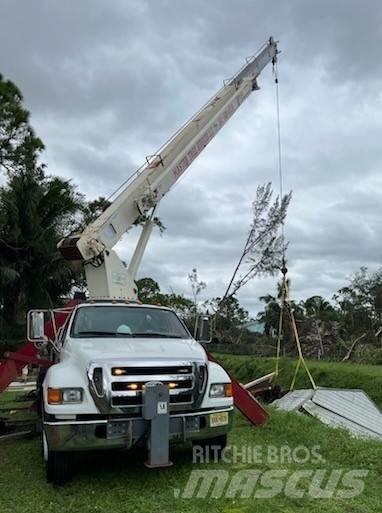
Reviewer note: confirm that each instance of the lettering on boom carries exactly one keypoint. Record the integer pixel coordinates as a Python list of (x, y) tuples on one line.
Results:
[(201, 143)]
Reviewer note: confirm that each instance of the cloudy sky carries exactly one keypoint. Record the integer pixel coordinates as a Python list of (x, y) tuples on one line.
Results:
[(107, 82)]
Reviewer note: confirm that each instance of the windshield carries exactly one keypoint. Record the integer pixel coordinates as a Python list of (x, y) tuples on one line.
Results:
[(125, 321)]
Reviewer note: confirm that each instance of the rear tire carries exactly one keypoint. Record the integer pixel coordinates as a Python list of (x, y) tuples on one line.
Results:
[(212, 447)]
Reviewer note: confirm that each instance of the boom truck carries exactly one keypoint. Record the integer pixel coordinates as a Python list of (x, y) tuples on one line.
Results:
[(117, 372)]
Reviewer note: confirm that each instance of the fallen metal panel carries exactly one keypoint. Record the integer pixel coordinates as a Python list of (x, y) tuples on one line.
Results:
[(294, 400), (332, 419), (349, 394), (354, 406)]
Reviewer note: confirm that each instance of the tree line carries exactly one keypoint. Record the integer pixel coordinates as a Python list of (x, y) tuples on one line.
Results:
[(37, 209)]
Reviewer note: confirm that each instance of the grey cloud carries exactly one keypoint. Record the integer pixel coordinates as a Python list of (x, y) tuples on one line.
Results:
[(108, 83)]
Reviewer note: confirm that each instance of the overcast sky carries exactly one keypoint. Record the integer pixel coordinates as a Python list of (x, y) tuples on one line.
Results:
[(107, 82)]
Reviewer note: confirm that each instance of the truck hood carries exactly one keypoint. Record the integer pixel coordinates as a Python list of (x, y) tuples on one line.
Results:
[(86, 350)]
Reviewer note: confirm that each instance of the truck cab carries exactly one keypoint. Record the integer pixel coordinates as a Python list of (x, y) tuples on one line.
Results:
[(107, 354)]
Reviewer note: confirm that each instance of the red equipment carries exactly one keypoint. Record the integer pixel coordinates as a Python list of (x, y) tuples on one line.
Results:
[(244, 401), (12, 366)]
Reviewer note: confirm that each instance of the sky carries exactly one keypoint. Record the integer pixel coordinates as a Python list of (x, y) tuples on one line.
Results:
[(108, 82)]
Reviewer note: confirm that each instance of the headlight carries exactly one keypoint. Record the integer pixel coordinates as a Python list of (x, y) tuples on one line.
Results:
[(72, 395), (221, 390), (64, 395)]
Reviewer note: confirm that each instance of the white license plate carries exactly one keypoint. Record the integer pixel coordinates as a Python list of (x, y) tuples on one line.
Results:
[(219, 419)]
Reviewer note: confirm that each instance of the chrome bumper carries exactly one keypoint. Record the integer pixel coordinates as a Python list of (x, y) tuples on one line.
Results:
[(95, 434)]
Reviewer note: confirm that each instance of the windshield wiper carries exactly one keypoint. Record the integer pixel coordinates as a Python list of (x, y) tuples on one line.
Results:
[(102, 334), (156, 335), (116, 334)]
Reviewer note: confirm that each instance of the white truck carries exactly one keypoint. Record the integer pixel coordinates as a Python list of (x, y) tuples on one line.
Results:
[(122, 372)]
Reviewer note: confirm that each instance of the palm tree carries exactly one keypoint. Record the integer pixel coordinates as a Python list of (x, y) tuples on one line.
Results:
[(317, 307), (35, 212)]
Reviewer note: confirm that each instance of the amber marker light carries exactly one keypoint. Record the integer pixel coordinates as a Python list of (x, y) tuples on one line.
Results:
[(228, 390), (54, 396)]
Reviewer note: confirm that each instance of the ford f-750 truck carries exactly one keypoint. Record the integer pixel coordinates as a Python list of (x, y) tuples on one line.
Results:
[(105, 355)]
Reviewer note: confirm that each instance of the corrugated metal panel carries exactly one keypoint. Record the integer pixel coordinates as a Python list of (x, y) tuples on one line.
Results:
[(352, 405), (293, 401), (353, 395), (350, 409), (332, 419)]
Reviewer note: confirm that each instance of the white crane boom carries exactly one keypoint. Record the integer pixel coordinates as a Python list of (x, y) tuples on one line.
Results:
[(106, 275)]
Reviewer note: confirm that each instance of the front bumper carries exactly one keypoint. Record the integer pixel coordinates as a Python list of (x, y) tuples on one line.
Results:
[(95, 434)]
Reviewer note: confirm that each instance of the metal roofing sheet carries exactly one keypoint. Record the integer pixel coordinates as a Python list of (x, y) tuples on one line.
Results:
[(352, 405), (350, 409), (332, 419), (293, 400)]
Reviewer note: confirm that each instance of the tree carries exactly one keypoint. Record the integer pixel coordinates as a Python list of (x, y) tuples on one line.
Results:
[(318, 308), (197, 286), (229, 318), (149, 292), (264, 247), (315, 306), (36, 210), (270, 315), (19, 146), (272, 311), (361, 301)]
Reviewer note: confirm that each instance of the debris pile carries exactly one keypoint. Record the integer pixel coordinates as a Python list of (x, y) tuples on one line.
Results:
[(349, 409)]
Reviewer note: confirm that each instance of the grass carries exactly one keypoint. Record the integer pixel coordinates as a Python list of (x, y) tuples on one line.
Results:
[(326, 374), (14, 411), (118, 482)]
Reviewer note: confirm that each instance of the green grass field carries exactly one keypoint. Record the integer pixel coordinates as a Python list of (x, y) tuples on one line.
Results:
[(109, 482), (326, 374)]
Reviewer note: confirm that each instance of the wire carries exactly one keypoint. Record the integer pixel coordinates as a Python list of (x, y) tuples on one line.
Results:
[(279, 153), (285, 300)]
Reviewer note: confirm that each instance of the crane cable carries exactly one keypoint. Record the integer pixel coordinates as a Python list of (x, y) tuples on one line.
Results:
[(285, 300)]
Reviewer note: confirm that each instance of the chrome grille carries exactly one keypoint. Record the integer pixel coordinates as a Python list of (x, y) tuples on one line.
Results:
[(127, 383), (137, 371)]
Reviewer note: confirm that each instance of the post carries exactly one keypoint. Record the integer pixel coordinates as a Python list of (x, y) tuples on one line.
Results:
[(156, 410)]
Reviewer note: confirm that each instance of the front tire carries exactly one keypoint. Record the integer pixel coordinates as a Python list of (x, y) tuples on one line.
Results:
[(58, 464), (58, 468)]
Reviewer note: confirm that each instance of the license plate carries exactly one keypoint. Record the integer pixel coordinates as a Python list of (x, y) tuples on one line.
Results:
[(219, 419), (117, 429)]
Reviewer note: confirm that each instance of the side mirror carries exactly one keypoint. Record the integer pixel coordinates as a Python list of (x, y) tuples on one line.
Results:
[(204, 328), (35, 326)]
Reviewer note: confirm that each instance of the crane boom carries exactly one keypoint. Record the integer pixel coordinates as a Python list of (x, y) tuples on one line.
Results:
[(105, 274)]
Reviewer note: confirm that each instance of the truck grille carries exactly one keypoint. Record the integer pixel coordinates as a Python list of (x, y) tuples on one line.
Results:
[(116, 386), (123, 386), (149, 371), (122, 401), (186, 382)]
